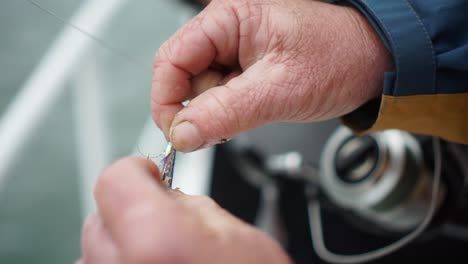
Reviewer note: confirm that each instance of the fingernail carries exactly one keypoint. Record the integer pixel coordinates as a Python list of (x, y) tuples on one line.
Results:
[(186, 137)]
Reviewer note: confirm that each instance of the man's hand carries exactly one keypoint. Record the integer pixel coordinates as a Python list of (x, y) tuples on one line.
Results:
[(244, 63), (140, 222)]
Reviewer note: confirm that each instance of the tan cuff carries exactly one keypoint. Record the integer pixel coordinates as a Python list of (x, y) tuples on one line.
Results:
[(442, 115)]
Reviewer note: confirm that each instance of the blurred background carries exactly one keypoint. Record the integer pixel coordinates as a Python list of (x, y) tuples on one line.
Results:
[(92, 111)]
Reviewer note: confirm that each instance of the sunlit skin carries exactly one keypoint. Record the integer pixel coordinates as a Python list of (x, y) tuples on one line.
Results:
[(140, 221), (245, 63), (242, 63)]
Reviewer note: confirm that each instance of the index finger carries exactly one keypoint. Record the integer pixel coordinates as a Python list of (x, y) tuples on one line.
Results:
[(211, 37)]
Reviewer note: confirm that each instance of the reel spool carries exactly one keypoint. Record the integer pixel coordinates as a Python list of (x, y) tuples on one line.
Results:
[(381, 177)]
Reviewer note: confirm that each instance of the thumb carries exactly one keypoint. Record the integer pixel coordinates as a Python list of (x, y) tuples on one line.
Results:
[(221, 112)]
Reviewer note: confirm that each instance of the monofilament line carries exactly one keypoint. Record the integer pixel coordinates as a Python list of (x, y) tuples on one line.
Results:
[(98, 40)]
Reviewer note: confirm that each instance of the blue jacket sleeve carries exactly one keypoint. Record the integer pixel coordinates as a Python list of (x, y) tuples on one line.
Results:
[(428, 91)]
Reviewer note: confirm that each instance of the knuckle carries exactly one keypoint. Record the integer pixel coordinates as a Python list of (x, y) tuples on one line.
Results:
[(157, 60), (156, 110), (248, 11), (162, 54), (164, 51)]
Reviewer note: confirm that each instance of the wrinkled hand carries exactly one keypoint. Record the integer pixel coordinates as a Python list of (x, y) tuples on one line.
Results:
[(245, 63), (139, 222)]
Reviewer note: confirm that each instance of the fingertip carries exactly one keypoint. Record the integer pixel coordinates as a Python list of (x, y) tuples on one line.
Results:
[(207, 120), (125, 181), (119, 170), (149, 166), (126, 192), (186, 137)]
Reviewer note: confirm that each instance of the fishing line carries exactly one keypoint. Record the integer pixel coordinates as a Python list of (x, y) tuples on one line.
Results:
[(168, 159), (104, 44), (148, 156)]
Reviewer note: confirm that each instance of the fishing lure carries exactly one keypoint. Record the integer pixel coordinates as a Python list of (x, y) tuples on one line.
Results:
[(168, 162)]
